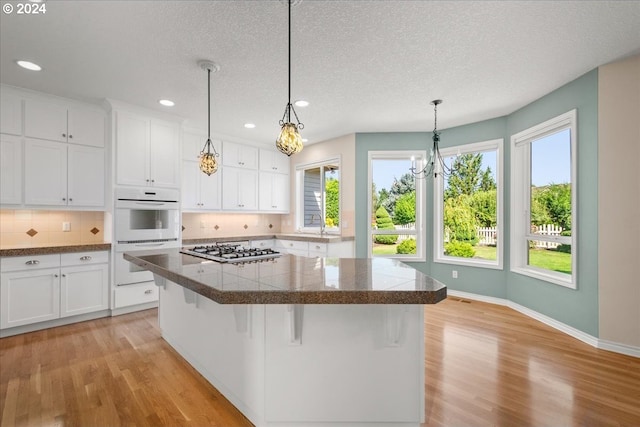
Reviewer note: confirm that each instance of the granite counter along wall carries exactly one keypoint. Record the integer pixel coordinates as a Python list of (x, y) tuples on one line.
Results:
[(203, 225), (30, 228)]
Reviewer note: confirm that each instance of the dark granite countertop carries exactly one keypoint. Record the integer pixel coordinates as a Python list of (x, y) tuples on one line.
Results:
[(60, 249), (327, 238), (292, 279)]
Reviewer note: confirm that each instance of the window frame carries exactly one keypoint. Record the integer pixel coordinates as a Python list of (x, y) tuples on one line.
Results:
[(418, 157), (299, 219), (438, 203), (521, 200)]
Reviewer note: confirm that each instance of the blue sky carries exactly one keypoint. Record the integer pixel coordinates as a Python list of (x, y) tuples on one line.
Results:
[(550, 163)]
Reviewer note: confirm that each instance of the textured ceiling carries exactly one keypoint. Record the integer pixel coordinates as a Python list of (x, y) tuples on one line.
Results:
[(365, 66)]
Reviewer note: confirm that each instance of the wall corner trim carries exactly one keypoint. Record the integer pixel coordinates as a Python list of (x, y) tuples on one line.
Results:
[(569, 330)]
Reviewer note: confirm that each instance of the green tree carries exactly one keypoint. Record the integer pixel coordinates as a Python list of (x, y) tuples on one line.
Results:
[(332, 202), (467, 176), (551, 204), (406, 184), (384, 222), (459, 220), (485, 205), (405, 211)]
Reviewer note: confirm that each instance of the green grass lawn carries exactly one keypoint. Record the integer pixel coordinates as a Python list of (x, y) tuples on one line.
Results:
[(541, 258), (379, 249)]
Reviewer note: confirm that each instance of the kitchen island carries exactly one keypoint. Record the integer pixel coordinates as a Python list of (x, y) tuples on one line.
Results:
[(299, 341)]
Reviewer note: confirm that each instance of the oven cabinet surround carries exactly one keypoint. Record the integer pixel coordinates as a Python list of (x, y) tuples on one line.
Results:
[(40, 288), (147, 150), (301, 341), (53, 151)]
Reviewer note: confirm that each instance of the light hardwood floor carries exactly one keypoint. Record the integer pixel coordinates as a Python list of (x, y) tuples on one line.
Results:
[(486, 365)]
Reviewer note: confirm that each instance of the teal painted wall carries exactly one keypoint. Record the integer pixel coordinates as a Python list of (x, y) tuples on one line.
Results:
[(576, 308), (579, 307)]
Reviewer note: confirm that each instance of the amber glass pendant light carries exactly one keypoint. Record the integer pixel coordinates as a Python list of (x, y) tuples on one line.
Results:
[(208, 155), (289, 141)]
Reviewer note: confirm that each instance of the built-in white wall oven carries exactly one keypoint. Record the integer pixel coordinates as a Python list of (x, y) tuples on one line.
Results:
[(144, 219)]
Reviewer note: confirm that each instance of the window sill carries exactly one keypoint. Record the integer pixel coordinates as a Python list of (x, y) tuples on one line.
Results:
[(556, 279), (469, 262)]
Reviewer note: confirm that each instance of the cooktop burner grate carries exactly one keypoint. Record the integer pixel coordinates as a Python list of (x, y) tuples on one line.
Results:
[(224, 252)]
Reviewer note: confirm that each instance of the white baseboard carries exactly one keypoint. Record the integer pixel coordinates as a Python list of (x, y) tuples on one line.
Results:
[(569, 330)]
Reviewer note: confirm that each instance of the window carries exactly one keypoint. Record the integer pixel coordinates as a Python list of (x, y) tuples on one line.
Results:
[(468, 206), (396, 205), (318, 197), (543, 197)]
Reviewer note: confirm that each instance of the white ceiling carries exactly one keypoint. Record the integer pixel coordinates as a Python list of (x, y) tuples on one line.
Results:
[(365, 66)]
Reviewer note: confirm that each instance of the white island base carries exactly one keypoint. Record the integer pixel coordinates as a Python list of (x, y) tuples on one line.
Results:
[(303, 365)]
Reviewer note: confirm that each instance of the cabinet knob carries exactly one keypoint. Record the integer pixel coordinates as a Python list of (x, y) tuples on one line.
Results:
[(64, 135), (291, 244), (70, 199), (153, 180), (85, 258), (64, 275), (148, 291), (147, 180), (55, 275), (64, 199), (70, 136), (32, 262)]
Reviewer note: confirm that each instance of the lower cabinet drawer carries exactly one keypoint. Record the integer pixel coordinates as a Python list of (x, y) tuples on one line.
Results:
[(138, 293), (318, 248), (292, 245)]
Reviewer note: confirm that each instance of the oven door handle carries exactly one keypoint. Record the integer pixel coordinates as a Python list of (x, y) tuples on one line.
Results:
[(150, 203), (150, 245)]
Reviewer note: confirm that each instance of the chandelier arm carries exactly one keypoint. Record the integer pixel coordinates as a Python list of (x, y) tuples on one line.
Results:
[(300, 125)]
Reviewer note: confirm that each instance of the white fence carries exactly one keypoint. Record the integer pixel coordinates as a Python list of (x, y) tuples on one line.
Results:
[(410, 226), (489, 235)]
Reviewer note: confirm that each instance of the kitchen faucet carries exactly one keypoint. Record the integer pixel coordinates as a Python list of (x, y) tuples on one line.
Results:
[(321, 222)]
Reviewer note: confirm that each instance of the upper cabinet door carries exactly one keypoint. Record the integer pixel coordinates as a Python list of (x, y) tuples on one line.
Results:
[(85, 176), (165, 154), (11, 173), (132, 149), (10, 114), (239, 155), (45, 174), (273, 161), (45, 120), (86, 127)]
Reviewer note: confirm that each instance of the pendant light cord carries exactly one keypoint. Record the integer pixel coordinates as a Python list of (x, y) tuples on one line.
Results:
[(289, 103), (208, 103)]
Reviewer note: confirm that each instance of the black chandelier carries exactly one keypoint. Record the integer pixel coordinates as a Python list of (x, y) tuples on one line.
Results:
[(435, 164)]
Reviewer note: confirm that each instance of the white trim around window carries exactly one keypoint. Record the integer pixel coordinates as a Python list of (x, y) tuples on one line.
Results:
[(521, 229), (438, 201), (417, 157)]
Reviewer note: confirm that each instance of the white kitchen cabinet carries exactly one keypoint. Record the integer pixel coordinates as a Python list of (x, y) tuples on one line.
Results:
[(273, 161), (342, 249), (263, 243), (84, 283), (29, 297), (239, 155), (240, 190), (193, 142), (10, 170), (274, 192), (46, 287), (59, 122), (59, 174), (10, 114), (138, 293), (199, 190), (147, 151)]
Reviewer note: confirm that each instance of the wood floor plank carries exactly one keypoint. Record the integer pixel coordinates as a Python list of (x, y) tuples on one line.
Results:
[(486, 365)]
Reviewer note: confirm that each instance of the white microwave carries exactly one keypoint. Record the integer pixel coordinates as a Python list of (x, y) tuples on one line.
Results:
[(144, 215)]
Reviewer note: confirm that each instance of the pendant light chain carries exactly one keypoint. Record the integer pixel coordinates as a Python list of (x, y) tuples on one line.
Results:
[(208, 162), (208, 105)]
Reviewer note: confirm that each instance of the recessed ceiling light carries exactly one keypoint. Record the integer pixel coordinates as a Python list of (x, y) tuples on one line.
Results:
[(249, 125), (167, 102), (301, 103), (305, 140), (29, 65)]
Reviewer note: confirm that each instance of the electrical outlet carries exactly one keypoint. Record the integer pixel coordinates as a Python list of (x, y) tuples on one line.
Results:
[(66, 226), (454, 274)]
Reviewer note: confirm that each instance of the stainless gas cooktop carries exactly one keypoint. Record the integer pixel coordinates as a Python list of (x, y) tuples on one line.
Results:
[(231, 252)]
